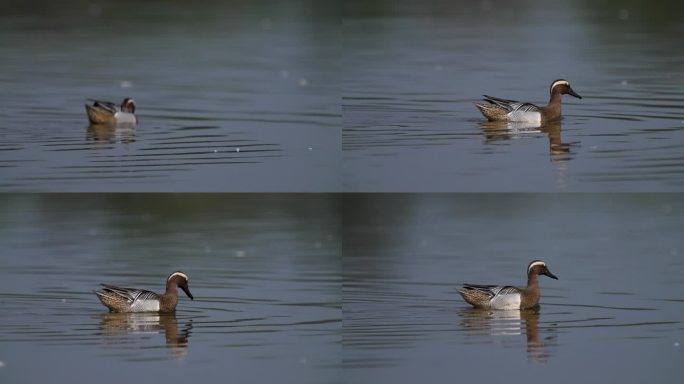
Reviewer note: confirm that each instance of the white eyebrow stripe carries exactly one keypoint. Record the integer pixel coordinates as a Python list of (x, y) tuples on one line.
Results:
[(183, 275), (559, 82), (535, 264)]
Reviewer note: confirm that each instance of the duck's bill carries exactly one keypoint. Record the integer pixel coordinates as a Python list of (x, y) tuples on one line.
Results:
[(573, 93), (187, 292), (551, 275)]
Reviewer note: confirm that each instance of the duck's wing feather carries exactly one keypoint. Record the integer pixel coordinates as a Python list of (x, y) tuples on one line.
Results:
[(130, 294), (497, 100), (512, 105), (492, 290), (525, 107), (489, 290), (108, 105), (507, 290)]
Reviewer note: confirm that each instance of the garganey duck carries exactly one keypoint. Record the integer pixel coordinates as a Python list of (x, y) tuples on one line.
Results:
[(105, 112), (510, 110), (119, 299), (508, 297)]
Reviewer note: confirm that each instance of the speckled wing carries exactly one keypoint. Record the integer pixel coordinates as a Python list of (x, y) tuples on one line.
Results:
[(489, 290)]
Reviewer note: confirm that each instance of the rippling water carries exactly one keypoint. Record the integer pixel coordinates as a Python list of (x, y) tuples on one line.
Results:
[(230, 97), (264, 271), (615, 314), (413, 72)]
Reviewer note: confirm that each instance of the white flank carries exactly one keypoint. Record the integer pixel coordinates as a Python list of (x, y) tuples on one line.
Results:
[(524, 117), (506, 301), (145, 306)]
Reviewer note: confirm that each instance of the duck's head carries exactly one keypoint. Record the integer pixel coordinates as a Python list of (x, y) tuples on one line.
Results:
[(563, 87), (128, 105), (539, 267), (181, 280)]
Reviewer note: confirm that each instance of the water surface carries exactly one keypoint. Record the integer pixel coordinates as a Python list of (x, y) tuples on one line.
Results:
[(264, 271), (412, 71), (231, 96), (616, 314)]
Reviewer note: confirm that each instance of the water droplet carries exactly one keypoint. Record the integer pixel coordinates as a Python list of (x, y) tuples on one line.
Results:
[(126, 84), (303, 82)]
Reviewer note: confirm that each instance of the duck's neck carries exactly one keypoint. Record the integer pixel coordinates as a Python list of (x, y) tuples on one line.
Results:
[(171, 287), (553, 109), (531, 297), (532, 281)]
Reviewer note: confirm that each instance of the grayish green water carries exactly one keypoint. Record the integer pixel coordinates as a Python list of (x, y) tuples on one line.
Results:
[(264, 271), (231, 96), (412, 71), (616, 314)]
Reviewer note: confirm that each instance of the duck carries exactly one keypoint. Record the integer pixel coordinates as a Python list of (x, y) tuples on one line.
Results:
[(119, 299), (106, 112), (498, 109), (508, 297)]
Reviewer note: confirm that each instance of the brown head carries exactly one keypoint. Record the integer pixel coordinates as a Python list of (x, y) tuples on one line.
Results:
[(128, 105), (178, 279), (562, 87), (538, 267)]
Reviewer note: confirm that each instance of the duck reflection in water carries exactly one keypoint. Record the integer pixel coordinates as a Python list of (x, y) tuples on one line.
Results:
[(483, 323), (111, 134), (501, 130), (124, 327)]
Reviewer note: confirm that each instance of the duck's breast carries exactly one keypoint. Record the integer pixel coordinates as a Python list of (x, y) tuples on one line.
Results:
[(125, 118)]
